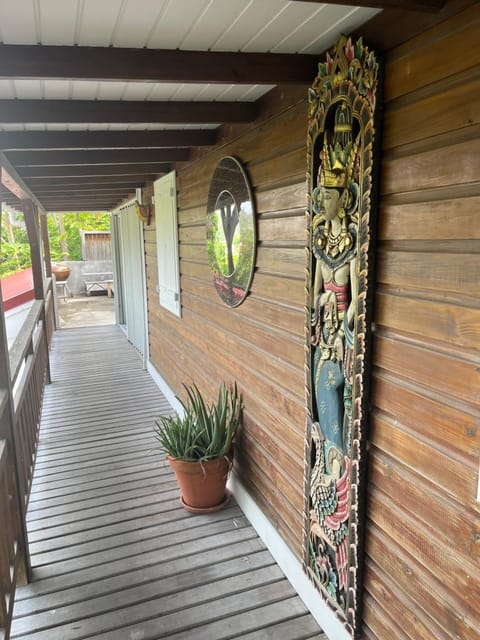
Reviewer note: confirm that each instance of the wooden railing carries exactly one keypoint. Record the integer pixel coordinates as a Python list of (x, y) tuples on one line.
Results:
[(20, 409), (24, 370), (30, 371), (12, 557), (49, 310)]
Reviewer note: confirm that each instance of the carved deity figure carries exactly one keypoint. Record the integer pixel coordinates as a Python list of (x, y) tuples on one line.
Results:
[(341, 148), (333, 301)]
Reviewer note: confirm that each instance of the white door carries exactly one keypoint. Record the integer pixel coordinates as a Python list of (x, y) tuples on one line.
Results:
[(132, 255)]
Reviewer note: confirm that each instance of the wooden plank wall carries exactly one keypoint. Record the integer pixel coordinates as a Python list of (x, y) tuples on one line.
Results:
[(423, 538), (260, 343), (423, 531)]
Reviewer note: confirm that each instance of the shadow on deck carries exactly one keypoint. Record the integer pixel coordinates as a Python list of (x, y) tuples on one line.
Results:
[(114, 555)]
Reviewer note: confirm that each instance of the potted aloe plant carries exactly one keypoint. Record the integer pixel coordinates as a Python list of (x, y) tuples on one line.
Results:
[(199, 446)]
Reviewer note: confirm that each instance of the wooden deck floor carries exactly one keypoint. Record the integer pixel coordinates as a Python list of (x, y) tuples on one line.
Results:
[(114, 554)]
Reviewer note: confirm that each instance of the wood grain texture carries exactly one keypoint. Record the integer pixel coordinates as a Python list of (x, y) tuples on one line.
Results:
[(447, 166), (259, 344), (425, 442), (452, 429), (431, 220), (443, 271), (444, 516), (422, 544), (448, 323), (435, 60), (448, 109), (114, 554)]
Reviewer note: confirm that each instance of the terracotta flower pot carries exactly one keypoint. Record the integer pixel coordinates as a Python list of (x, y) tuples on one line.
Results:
[(61, 271), (202, 484)]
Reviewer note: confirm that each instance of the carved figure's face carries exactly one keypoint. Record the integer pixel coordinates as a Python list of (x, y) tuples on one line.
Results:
[(330, 201)]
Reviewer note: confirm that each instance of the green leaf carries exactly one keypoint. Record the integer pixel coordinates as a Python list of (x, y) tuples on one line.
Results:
[(206, 431)]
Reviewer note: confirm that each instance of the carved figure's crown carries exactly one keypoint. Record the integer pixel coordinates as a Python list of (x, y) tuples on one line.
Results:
[(339, 155)]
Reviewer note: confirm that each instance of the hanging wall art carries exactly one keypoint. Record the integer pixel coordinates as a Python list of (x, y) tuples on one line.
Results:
[(342, 148), (231, 231)]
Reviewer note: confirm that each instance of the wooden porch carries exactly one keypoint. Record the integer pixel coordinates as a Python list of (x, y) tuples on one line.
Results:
[(113, 553)]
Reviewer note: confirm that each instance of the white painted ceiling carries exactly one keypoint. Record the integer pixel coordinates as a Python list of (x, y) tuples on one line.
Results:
[(277, 26), (88, 171)]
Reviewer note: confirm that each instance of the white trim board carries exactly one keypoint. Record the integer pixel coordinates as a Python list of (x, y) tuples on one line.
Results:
[(164, 388), (288, 563), (286, 560)]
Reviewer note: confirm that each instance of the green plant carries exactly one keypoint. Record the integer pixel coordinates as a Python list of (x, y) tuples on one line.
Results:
[(206, 431)]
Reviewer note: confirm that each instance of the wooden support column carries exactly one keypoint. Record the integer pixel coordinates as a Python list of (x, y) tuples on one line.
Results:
[(31, 222), (46, 244)]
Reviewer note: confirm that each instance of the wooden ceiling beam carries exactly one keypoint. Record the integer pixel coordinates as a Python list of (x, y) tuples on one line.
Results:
[(12, 185), (18, 140), (80, 157), (80, 206), (59, 189), (404, 5), (123, 111), (129, 183), (70, 202), (82, 197), (13, 182), (155, 65), (80, 193), (94, 170), (73, 181)]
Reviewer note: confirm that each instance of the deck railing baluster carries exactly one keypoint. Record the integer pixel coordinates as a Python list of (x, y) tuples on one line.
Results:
[(29, 364), (11, 556), (20, 406)]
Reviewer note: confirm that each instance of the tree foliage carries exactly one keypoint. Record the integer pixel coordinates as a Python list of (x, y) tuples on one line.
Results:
[(64, 231), (14, 247)]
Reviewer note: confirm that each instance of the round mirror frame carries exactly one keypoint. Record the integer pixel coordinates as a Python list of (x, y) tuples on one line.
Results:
[(231, 231)]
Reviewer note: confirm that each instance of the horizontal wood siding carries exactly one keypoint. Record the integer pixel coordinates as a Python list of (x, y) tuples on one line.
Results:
[(114, 555), (422, 573), (260, 343), (423, 530)]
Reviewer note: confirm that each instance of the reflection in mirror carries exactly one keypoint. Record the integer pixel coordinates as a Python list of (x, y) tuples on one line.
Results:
[(231, 236)]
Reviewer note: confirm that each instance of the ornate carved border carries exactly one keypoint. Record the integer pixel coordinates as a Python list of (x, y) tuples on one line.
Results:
[(342, 144)]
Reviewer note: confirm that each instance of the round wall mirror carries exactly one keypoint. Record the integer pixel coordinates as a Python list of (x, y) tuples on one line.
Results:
[(231, 233)]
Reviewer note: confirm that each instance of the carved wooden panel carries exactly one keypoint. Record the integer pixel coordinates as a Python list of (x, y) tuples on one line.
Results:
[(341, 145)]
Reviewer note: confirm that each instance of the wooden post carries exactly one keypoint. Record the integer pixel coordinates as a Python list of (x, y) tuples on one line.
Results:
[(46, 244), (31, 222)]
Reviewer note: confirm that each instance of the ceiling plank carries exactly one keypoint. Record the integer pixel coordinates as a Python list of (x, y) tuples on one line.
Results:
[(81, 206), (70, 202), (84, 197), (79, 197), (69, 193), (17, 140), (139, 179), (59, 189), (155, 65), (123, 111), (404, 5), (97, 201), (81, 157), (94, 170)]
